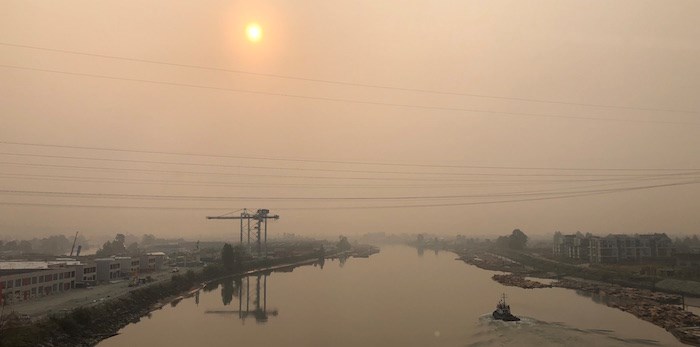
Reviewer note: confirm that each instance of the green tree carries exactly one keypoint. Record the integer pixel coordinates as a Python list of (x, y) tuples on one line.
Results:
[(227, 290), (133, 249), (55, 244), (25, 246), (239, 252), (343, 243), (10, 245), (517, 239), (148, 239), (115, 247), (503, 242), (228, 257)]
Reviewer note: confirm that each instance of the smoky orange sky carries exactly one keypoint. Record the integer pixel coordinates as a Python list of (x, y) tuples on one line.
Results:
[(542, 115)]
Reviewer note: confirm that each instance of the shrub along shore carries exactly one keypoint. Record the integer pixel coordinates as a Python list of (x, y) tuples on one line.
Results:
[(86, 326)]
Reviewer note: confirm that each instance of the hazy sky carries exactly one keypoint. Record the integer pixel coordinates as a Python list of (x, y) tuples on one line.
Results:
[(641, 55)]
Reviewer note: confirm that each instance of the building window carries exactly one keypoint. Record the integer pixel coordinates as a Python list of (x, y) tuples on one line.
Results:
[(18, 282), (41, 279), (55, 277), (33, 280)]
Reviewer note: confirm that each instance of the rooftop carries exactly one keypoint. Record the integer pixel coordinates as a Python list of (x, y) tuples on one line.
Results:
[(23, 265)]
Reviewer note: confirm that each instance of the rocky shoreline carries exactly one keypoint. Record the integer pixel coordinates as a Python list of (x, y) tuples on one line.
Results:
[(518, 281), (661, 309)]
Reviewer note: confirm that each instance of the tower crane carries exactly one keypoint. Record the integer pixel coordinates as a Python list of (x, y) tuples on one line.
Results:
[(260, 218)]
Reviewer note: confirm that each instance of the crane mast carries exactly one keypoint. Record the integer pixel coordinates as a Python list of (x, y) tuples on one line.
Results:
[(73, 247), (260, 219)]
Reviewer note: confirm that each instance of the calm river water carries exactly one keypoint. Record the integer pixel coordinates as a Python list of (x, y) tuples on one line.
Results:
[(394, 298)]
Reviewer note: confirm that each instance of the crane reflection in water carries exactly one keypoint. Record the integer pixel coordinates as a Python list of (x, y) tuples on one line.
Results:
[(240, 287)]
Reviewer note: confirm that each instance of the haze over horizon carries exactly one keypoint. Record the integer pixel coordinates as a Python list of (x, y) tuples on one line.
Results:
[(133, 117)]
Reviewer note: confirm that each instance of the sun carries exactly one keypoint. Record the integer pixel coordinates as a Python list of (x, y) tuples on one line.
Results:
[(253, 32)]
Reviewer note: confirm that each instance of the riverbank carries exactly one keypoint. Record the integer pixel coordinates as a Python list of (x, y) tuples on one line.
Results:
[(86, 326), (42, 307), (661, 309)]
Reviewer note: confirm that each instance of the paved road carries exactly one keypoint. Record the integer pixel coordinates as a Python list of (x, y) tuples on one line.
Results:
[(77, 297)]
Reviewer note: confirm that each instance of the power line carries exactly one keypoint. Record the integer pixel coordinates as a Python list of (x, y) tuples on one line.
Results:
[(245, 184), (313, 169), (475, 203), (345, 198), (352, 101), (332, 207), (204, 155), (116, 207), (313, 177), (346, 83), (275, 185)]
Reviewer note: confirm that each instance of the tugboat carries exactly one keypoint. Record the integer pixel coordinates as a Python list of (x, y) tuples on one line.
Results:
[(502, 311)]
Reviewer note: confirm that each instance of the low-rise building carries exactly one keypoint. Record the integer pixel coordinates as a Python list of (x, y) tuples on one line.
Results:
[(108, 269), (153, 261), (25, 280), (86, 274), (128, 266)]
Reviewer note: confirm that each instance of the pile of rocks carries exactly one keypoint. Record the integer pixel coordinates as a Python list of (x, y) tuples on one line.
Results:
[(519, 281), (659, 308)]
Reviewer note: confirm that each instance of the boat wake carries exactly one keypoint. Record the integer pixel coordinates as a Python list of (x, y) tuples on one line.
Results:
[(530, 331)]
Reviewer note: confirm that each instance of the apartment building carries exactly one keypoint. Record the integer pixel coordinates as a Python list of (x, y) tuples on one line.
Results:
[(614, 248)]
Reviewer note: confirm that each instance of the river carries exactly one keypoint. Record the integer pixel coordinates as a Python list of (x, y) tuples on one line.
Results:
[(395, 298)]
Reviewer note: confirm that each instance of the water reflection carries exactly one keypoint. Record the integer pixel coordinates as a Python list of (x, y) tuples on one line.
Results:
[(394, 298), (320, 263), (240, 288)]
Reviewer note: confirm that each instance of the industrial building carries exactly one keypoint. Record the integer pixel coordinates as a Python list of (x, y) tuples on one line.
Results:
[(108, 269), (25, 280), (153, 261)]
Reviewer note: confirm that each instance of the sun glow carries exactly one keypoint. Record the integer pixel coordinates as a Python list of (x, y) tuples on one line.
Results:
[(254, 32)]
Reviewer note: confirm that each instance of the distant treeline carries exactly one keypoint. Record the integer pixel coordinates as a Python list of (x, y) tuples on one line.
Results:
[(52, 245), (686, 244)]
